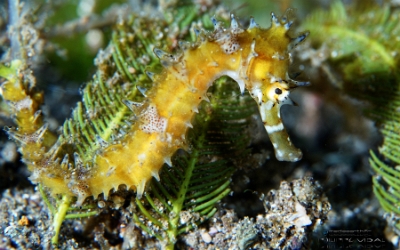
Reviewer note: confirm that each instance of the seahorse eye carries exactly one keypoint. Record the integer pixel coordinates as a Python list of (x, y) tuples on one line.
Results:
[(278, 91)]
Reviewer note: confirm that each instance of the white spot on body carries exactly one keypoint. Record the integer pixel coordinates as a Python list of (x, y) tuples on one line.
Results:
[(227, 41), (141, 158), (152, 122), (274, 128), (230, 47), (25, 103)]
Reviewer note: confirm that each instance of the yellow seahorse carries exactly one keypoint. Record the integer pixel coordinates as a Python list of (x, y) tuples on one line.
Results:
[(257, 59)]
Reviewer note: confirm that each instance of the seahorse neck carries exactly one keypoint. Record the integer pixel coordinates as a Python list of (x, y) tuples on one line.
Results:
[(209, 62)]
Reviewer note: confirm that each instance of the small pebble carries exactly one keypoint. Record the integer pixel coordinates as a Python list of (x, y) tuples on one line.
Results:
[(9, 152), (213, 231), (206, 237)]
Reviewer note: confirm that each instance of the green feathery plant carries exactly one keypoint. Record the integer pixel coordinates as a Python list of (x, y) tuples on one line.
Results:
[(363, 45)]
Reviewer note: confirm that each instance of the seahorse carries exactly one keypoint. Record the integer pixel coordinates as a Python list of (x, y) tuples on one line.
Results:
[(257, 59)]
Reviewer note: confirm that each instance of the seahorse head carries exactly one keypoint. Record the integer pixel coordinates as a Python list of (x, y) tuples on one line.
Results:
[(267, 71), (260, 63)]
